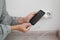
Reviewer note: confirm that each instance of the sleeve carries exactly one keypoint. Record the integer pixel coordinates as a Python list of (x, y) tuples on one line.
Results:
[(7, 19), (15, 21), (4, 31)]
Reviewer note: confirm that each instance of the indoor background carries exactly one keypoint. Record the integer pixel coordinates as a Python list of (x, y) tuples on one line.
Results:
[(17, 8)]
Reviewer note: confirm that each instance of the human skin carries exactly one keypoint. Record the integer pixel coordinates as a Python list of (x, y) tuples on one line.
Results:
[(24, 25)]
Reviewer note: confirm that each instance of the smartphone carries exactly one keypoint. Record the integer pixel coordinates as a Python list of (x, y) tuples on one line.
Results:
[(37, 17)]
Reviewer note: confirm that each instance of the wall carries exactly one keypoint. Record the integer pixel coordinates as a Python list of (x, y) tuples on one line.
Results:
[(24, 7)]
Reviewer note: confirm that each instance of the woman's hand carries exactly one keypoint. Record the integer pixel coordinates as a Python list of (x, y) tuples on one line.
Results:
[(24, 23), (27, 18), (23, 27)]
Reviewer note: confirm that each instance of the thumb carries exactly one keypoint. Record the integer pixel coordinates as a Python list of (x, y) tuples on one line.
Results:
[(28, 25), (28, 28)]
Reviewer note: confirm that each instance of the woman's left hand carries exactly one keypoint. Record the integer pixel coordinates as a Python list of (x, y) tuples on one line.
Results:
[(27, 18)]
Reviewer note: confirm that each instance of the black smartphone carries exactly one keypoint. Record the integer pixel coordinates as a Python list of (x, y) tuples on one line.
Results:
[(36, 17)]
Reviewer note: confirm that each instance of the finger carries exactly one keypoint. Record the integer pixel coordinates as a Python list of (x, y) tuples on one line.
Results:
[(28, 28), (31, 15), (28, 24)]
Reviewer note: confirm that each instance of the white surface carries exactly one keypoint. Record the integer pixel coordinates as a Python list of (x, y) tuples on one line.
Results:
[(46, 26)]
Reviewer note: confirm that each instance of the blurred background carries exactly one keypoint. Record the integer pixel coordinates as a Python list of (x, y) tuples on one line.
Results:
[(17, 8)]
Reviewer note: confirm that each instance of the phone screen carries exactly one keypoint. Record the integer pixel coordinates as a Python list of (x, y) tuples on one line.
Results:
[(36, 17)]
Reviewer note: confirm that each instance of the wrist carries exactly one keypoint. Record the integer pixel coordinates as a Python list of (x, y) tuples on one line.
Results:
[(14, 27), (22, 20)]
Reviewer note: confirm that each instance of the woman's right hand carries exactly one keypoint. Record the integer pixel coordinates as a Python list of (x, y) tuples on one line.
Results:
[(22, 27)]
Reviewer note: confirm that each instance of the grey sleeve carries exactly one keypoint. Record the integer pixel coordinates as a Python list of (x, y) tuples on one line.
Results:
[(4, 31), (7, 19), (5, 23), (15, 21)]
